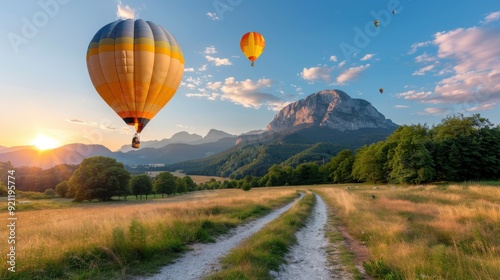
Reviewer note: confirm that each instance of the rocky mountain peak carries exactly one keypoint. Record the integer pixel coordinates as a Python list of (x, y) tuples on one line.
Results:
[(334, 109)]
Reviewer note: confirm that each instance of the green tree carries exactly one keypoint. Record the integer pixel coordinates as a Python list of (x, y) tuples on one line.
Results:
[(99, 178), (306, 174), (369, 163), (343, 173), (141, 185), (62, 188), (165, 183), (181, 186), (51, 193), (191, 185), (411, 161)]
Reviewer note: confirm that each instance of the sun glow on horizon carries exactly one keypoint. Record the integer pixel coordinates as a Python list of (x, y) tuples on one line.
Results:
[(43, 142)]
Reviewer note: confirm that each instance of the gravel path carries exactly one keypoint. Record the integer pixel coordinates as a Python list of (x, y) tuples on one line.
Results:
[(203, 259), (308, 258)]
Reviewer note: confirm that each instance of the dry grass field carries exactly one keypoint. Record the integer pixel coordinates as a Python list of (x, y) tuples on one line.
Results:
[(423, 232), (102, 240)]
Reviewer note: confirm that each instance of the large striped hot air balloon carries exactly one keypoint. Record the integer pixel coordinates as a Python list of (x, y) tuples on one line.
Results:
[(136, 67), (252, 44)]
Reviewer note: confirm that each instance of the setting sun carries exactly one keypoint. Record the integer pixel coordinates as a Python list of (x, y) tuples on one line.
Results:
[(43, 142)]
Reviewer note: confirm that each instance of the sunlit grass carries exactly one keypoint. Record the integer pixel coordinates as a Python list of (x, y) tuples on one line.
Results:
[(424, 232), (108, 240)]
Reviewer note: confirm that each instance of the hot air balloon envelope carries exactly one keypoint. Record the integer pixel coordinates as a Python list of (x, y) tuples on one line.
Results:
[(376, 23), (252, 44), (381, 90), (136, 67)]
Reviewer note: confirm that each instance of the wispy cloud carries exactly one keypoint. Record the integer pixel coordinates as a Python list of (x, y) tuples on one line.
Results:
[(125, 11), (333, 58), (434, 111), (191, 69), (475, 77), (212, 16), (401, 106), (104, 125), (415, 46), (210, 50), (482, 107), (425, 57), (217, 61), (251, 94), (492, 17), (351, 73), (367, 56), (316, 74), (421, 71), (414, 95)]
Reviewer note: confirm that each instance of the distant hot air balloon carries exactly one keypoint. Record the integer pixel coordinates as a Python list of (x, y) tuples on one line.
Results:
[(252, 44), (376, 23), (393, 12), (381, 90), (136, 67)]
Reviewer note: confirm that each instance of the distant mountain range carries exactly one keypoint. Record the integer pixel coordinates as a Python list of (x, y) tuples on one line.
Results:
[(311, 129)]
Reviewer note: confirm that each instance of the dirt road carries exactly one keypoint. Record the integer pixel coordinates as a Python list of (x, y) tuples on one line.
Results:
[(204, 258), (308, 259)]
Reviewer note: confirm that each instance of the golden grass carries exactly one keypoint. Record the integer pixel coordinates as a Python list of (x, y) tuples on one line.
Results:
[(44, 236), (418, 232)]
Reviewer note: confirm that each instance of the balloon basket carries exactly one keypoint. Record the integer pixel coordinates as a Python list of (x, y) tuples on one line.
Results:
[(136, 143)]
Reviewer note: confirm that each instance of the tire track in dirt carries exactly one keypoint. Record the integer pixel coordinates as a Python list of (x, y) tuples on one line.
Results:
[(308, 259), (203, 258)]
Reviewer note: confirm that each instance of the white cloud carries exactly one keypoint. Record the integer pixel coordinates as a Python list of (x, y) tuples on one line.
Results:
[(320, 73), (424, 58), (333, 58), (475, 76), (214, 86), (414, 95), (421, 71), (401, 106), (342, 63), (196, 81), (367, 56), (492, 17), (203, 68), (351, 73), (218, 61), (250, 93), (435, 111), (210, 50), (415, 46), (124, 11), (482, 107), (189, 69), (213, 16)]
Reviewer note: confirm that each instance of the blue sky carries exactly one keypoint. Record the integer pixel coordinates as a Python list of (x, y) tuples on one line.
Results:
[(433, 59)]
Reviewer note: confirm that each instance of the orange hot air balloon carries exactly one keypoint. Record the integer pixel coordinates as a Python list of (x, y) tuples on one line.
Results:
[(252, 44), (136, 67)]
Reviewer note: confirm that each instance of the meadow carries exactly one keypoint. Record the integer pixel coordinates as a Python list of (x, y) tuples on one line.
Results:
[(114, 239), (423, 232), (386, 231)]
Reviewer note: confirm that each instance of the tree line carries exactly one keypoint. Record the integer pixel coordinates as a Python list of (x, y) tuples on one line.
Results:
[(460, 148)]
